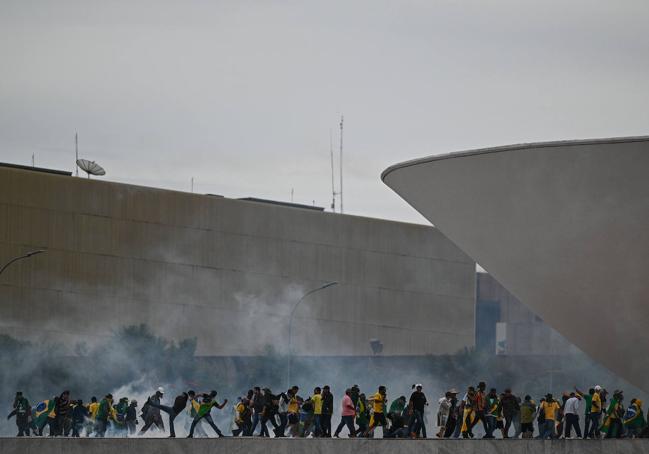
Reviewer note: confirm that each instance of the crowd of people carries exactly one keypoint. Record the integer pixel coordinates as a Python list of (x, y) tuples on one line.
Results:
[(499, 415)]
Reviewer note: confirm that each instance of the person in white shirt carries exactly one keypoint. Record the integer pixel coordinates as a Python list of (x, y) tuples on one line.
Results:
[(571, 415)]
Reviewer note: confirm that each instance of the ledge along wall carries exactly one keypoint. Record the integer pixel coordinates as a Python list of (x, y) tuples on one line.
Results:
[(316, 446)]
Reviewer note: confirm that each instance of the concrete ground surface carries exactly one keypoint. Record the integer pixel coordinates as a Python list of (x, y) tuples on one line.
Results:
[(37, 445)]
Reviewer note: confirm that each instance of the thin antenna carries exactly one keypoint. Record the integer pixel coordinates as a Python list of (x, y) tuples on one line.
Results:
[(292, 189), (341, 164), (33, 160), (76, 154), (192, 185), (333, 189)]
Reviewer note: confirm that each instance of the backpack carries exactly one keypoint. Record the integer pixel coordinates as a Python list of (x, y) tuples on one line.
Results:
[(307, 406)]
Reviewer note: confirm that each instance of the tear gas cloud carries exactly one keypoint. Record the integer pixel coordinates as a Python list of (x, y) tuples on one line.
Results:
[(133, 361)]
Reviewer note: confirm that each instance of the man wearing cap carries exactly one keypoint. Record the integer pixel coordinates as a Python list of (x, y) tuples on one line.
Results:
[(151, 414), (595, 413)]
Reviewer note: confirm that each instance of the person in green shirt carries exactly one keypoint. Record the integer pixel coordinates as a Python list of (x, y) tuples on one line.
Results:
[(104, 412), (397, 407), (22, 412), (362, 414), (492, 409), (588, 405), (613, 426), (209, 401), (120, 417), (634, 420), (528, 410)]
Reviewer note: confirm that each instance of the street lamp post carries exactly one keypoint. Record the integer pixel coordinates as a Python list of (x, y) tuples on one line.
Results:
[(15, 259), (290, 328)]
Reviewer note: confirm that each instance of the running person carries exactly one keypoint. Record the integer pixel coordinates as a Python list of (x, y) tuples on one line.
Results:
[(378, 418), (179, 405), (204, 413)]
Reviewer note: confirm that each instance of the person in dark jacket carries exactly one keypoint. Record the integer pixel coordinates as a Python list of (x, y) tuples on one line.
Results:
[(22, 412), (151, 414), (131, 417), (510, 408), (271, 403), (327, 411), (454, 413), (79, 415), (179, 405), (63, 419), (257, 404)]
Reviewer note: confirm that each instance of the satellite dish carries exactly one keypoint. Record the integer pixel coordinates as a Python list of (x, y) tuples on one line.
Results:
[(91, 167)]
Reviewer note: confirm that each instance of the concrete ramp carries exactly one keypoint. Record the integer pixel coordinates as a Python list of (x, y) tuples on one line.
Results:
[(311, 446)]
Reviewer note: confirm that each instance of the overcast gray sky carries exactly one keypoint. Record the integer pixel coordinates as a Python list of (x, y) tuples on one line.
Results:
[(241, 95)]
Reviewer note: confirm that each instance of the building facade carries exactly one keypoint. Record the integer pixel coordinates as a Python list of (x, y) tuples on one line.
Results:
[(562, 225), (505, 326), (224, 271)]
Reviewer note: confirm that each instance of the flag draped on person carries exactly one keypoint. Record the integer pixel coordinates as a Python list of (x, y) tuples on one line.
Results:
[(42, 411)]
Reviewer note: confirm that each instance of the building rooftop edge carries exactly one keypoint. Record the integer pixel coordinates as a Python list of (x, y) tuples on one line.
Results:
[(280, 204), (512, 147)]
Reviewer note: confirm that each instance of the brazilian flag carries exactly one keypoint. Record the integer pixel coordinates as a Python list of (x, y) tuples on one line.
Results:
[(42, 411)]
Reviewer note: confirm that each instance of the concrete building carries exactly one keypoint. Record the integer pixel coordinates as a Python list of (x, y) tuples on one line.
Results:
[(222, 270), (562, 225), (505, 326), (357, 445)]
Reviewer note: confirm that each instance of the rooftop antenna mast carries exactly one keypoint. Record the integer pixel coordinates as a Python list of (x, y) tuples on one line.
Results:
[(341, 164), (333, 188), (76, 154)]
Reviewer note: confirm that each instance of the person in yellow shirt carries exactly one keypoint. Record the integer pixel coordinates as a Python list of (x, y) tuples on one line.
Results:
[(317, 411), (595, 413), (549, 409), (293, 411), (378, 402), (93, 406)]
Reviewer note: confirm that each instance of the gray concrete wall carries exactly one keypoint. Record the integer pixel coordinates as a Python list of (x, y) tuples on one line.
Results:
[(319, 446), (224, 270), (561, 225)]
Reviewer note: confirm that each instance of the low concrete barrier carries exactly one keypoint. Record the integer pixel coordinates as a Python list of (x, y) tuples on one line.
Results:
[(37, 445)]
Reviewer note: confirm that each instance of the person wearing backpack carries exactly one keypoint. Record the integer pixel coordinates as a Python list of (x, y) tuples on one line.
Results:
[(528, 409), (307, 416)]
